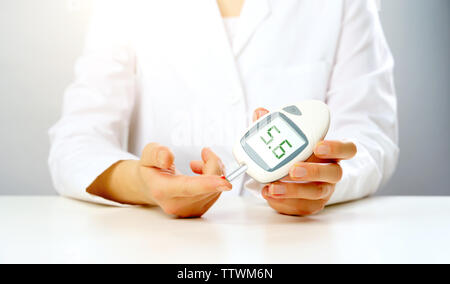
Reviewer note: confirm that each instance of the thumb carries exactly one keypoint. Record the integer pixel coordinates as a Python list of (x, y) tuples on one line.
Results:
[(155, 155), (258, 113)]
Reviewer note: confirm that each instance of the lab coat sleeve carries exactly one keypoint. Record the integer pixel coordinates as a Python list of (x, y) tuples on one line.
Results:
[(92, 132), (363, 104)]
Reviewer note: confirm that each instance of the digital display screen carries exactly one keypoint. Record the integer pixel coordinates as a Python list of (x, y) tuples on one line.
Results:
[(275, 141)]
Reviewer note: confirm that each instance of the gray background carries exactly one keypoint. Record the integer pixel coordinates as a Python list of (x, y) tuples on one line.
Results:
[(40, 41)]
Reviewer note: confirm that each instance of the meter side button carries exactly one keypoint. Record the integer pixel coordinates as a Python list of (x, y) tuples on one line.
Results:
[(292, 110)]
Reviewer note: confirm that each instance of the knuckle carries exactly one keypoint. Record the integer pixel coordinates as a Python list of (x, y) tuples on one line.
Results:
[(163, 148), (164, 156), (149, 147), (314, 171), (322, 190), (336, 147), (150, 153)]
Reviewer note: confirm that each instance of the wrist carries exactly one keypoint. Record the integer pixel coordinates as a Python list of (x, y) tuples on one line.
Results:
[(129, 175), (140, 187), (122, 183)]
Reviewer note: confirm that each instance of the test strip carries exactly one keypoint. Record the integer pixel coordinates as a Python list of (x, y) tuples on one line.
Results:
[(236, 173)]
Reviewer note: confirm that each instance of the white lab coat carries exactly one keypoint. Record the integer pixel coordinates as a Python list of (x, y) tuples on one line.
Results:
[(164, 71)]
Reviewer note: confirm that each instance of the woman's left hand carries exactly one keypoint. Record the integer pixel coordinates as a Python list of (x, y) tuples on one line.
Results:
[(310, 184)]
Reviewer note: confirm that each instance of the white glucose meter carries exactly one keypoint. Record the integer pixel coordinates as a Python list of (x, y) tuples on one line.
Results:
[(279, 139)]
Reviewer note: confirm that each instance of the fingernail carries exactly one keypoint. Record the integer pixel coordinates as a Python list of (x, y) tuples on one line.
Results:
[(323, 149), (299, 172), (277, 189), (261, 113), (223, 188)]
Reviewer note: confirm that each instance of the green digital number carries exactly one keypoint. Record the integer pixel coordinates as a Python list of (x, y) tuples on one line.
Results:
[(280, 147), (267, 142)]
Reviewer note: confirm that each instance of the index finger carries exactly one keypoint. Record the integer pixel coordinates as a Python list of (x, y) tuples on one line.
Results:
[(155, 155), (185, 186), (335, 150)]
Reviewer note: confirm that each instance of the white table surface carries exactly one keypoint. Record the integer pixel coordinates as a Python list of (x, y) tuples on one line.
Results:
[(235, 230)]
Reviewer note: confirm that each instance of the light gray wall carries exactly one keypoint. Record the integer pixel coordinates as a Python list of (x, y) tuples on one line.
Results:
[(418, 32), (40, 40)]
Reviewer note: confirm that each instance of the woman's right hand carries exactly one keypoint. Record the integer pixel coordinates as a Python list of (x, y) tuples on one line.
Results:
[(154, 180), (177, 194)]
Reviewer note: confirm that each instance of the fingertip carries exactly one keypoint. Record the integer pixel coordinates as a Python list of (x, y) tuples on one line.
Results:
[(165, 158), (197, 166), (155, 155), (226, 183), (205, 152), (208, 154), (219, 181), (265, 192), (259, 112), (198, 185), (353, 149), (224, 186)]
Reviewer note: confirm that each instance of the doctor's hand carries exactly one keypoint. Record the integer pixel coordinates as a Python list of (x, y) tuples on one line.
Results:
[(310, 184), (154, 180), (177, 194)]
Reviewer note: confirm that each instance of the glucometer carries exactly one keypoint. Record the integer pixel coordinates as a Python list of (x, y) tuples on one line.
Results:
[(277, 140)]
